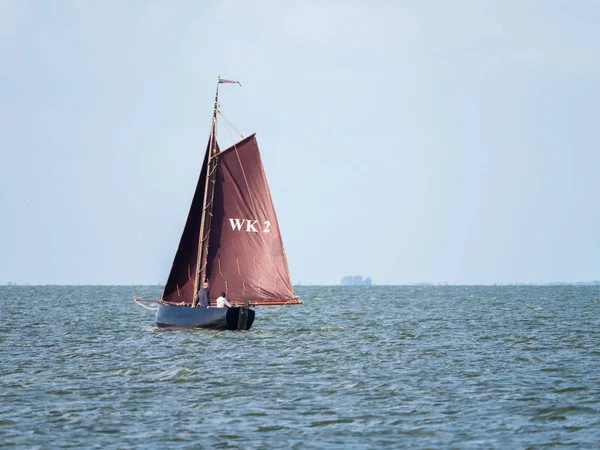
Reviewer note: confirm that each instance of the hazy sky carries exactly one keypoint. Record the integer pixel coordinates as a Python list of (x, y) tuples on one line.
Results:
[(410, 141)]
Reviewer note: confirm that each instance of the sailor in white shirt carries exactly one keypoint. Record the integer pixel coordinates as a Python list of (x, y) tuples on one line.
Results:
[(222, 301)]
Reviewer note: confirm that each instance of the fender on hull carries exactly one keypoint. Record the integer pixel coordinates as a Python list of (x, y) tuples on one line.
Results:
[(182, 316)]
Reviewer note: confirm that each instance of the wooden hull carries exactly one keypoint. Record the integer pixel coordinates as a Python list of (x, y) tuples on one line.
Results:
[(176, 316)]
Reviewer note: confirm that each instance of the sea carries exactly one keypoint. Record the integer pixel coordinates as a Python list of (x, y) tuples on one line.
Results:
[(352, 367)]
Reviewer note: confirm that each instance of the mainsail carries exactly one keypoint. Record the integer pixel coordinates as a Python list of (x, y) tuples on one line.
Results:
[(245, 258)]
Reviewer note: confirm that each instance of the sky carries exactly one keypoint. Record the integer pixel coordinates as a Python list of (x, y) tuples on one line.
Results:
[(409, 141)]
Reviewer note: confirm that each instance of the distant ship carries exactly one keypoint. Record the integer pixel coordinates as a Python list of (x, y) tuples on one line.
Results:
[(231, 240)]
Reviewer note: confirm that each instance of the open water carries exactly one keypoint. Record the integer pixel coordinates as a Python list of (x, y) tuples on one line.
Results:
[(353, 367)]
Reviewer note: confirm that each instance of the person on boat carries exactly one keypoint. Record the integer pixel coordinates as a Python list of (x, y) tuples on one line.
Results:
[(222, 301), (202, 299)]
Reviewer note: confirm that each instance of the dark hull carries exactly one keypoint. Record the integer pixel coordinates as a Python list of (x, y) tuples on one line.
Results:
[(175, 316)]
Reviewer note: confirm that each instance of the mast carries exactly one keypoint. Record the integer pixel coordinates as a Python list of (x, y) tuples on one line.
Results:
[(209, 192)]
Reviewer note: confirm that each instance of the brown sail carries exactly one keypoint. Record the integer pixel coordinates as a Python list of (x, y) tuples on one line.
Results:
[(246, 258), (180, 284)]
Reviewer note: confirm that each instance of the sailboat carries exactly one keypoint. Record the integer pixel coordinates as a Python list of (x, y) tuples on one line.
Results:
[(231, 240)]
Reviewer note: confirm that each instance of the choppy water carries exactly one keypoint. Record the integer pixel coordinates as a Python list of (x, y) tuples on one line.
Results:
[(431, 367)]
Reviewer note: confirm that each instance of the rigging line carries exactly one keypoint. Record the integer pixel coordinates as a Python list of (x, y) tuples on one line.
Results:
[(286, 303), (207, 205), (229, 131), (144, 306), (247, 185), (213, 169), (230, 124), (284, 257), (148, 300)]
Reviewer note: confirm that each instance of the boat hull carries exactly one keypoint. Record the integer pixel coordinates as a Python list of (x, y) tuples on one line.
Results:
[(181, 316)]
